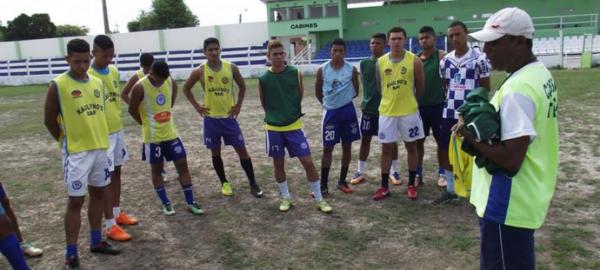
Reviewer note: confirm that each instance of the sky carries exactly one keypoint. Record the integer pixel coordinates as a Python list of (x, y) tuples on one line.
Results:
[(120, 12)]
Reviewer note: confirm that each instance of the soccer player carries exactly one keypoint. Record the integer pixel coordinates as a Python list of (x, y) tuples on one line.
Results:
[(511, 209), (26, 247), (369, 123), (9, 243), (461, 70), (103, 52), (400, 80), (220, 111), (431, 103), (281, 90), (152, 99), (146, 60), (75, 116), (336, 86)]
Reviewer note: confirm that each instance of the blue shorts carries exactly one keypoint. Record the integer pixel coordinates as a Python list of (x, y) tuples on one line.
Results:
[(293, 140), (340, 125), (369, 125), (445, 132), (432, 119), (2, 192), (506, 247), (226, 128), (156, 153)]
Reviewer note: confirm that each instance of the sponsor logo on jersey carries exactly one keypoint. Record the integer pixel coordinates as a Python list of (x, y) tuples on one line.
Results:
[(76, 93), (225, 80), (403, 70), (211, 78), (162, 117), (97, 93), (388, 71)]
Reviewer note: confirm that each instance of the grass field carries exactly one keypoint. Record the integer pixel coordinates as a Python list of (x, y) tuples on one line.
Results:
[(246, 233)]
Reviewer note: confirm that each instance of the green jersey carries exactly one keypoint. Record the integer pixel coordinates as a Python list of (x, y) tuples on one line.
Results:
[(371, 98), (281, 92), (433, 94)]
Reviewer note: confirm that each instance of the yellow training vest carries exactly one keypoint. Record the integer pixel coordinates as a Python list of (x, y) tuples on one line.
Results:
[(82, 114), (140, 73), (155, 110), (218, 90), (397, 86), (113, 97)]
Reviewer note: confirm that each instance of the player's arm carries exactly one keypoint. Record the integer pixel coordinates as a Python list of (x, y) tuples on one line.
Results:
[(377, 79), (355, 81), (484, 72), (443, 77), (51, 111), (174, 92), (137, 94), (261, 96), (419, 77), (485, 82), (508, 154), (441, 55), (195, 76), (127, 89), (239, 80), (319, 86), (301, 84)]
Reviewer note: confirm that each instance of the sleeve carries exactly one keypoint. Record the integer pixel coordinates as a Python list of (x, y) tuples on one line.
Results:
[(484, 66), (517, 112), (442, 69)]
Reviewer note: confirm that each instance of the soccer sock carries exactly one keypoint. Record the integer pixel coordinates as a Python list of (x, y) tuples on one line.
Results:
[(285, 191), (10, 248), (218, 165), (188, 192), (315, 188), (162, 194), (109, 223), (362, 166), (394, 167), (385, 179), (450, 180), (247, 166), (411, 177), (95, 237), (116, 211), (420, 170), (324, 178), (72, 250), (343, 174)]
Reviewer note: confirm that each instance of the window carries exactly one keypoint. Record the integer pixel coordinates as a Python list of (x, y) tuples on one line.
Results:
[(331, 11), (279, 14), (297, 13), (315, 11)]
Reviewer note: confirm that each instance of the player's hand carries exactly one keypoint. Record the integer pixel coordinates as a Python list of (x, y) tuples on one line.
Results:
[(203, 111), (459, 125), (235, 110)]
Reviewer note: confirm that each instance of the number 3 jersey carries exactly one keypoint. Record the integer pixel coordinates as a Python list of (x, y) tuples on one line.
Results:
[(155, 110)]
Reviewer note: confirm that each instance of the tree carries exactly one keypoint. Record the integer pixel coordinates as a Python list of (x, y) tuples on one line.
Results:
[(34, 27), (164, 14), (2, 31), (69, 30)]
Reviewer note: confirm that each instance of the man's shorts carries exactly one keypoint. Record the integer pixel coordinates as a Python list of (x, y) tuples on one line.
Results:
[(445, 132), (340, 125), (369, 124), (294, 140), (432, 119), (117, 152), (226, 128), (83, 169), (409, 128), (156, 153)]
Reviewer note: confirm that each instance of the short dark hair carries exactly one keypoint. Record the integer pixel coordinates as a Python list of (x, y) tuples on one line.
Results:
[(379, 36), (459, 23), (77, 46), (274, 43), (338, 41), (161, 69), (211, 40), (146, 59), (397, 29), (427, 29), (104, 42)]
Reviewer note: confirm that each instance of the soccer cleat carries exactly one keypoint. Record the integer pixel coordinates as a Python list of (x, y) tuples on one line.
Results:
[(412, 192), (195, 209), (445, 197), (285, 205), (396, 179), (358, 178), (324, 207), (117, 233), (72, 263), (226, 189), (344, 188), (124, 219), (105, 248), (442, 182), (31, 251), (168, 209), (381, 194), (256, 191)]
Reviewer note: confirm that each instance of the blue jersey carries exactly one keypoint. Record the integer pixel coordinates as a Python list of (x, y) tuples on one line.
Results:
[(338, 89)]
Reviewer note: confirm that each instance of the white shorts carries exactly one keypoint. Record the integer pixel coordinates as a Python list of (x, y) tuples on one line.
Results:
[(117, 152), (409, 128), (83, 169)]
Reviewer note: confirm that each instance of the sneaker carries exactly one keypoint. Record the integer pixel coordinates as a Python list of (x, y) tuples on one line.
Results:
[(72, 263), (226, 189), (256, 191), (446, 197), (442, 182), (358, 178), (381, 194), (105, 248), (195, 209), (412, 192), (168, 209), (324, 207), (396, 179), (117, 233), (285, 205), (124, 219), (31, 251), (344, 188)]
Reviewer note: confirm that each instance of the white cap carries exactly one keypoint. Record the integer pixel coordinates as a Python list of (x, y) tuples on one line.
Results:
[(507, 21)]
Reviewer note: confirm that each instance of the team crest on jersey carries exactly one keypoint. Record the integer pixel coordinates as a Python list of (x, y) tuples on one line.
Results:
[(388, 71), (457, 77), (97, 93), (161, 99), (336, 84), (76, 93), (76, 185), (162, 117), (403, 70), (211, 78), (225, 80)]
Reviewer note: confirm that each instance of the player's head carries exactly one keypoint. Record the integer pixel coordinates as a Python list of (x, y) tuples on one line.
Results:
[(212, 49), (275, 53), (338, 49), (78, 56), (103, 51), (396, 39), (146, 60), (160, 71), (426, 37), (508, 38), (457, 34), (377, 44)]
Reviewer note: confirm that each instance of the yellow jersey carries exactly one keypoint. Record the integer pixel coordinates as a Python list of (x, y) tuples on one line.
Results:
[(158, 124), (113, 96), (397, 85), (218, 90)]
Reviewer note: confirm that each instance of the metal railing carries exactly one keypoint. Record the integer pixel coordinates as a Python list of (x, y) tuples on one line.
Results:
[(550, 22)]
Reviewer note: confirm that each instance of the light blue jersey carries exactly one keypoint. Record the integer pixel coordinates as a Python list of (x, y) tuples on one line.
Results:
[(338, 89)]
